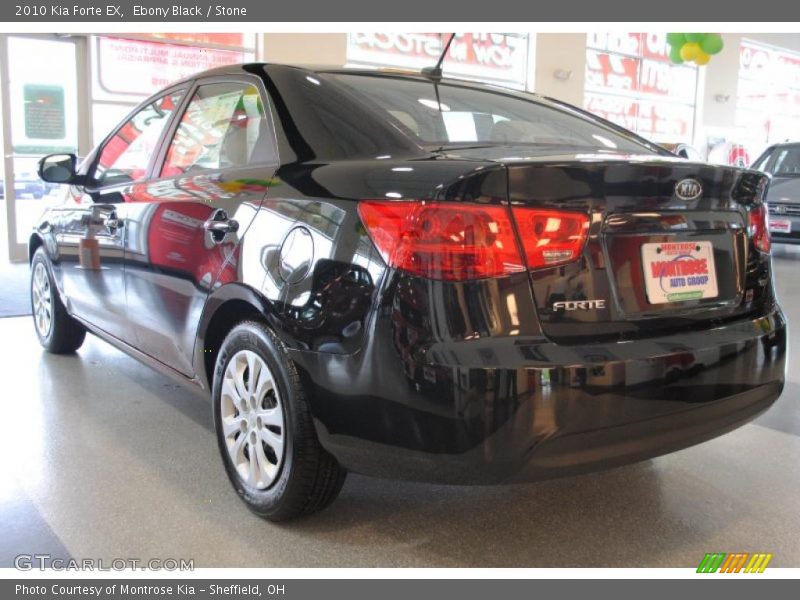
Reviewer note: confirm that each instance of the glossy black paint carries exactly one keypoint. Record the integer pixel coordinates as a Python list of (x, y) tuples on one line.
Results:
[(475, 382)]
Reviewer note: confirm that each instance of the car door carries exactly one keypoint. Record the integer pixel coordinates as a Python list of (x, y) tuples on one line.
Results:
[(213, 172), (92, 230)]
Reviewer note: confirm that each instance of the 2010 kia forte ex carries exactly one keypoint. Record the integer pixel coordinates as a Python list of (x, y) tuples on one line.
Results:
[(414, 277)]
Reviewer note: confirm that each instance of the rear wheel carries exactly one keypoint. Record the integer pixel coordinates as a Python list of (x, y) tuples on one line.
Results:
[(57, 331), (264, 428)]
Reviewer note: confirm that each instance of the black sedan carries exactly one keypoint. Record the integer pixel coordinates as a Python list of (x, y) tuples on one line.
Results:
[(782, 161), (413, 277)]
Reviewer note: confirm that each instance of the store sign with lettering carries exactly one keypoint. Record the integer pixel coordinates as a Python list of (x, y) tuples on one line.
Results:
[(139, 67), (630, 81), (490, 56)]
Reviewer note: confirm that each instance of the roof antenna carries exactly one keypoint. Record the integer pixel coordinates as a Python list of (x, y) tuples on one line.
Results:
[(436, 72)]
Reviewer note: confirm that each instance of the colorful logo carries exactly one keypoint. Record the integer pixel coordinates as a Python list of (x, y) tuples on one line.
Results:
[(738, 156), (736, 562)]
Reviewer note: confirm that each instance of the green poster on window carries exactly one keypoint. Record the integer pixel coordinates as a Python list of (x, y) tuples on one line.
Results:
[(45, 117)]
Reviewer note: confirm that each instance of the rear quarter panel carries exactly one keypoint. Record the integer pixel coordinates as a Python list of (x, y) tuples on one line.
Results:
[(309, 255)]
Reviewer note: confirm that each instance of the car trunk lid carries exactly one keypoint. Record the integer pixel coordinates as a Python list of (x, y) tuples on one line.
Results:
[(669, 244)]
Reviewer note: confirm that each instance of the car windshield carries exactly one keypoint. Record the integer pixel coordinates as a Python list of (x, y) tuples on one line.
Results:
[(449, 114), (786, 163)]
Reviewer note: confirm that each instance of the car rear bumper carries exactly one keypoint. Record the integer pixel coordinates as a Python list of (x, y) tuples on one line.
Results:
[(639, 440), (544, 410), (786, 238)]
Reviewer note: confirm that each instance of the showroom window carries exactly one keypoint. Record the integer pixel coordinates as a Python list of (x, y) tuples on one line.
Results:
[(126, 69), (224, 126), (768, 95), (499, 58), (631, 81)]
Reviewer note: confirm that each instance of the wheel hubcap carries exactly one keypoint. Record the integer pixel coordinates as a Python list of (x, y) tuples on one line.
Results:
[(252, 419), (42, 300)]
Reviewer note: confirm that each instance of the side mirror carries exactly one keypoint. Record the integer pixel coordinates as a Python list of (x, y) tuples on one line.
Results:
[(683, 153), (58, 168)]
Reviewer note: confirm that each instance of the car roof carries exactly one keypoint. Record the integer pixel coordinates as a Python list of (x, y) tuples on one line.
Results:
[(392, 72), (785, 145)]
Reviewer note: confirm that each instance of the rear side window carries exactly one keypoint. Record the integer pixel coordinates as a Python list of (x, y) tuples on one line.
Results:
[(126, 155), (224, 126), (453, 114)]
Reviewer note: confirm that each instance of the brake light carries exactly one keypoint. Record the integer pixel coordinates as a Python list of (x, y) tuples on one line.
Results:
[(759, 228), (549, 237), (446, 241)]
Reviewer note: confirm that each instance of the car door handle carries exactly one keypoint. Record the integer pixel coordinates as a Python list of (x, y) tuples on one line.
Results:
[(105, 215), (112, 223), (220, 225)]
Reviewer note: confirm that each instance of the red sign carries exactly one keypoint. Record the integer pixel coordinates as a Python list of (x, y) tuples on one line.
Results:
[(611, 72), (630, 81), (738, 156), (656, 120), (238, 40), (769, 65), (497, 56), (768, 97), (619, 110)]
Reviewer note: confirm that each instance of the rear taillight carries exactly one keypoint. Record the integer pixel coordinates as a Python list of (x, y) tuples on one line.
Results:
[(459, 242), (759, 228), (551, 237), (437, 240)]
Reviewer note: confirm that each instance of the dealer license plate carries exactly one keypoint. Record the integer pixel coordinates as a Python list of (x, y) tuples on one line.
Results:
[(679, 271), (780, 225)]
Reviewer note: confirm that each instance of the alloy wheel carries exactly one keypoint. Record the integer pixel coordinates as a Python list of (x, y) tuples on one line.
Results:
[(42, 300), (252, 419)]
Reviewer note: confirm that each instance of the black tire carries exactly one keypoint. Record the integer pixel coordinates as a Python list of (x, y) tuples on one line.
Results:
[(309, 478), (65, 335)]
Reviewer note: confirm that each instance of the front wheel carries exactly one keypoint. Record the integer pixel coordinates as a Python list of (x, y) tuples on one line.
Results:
[(265, 431), (57, 331)]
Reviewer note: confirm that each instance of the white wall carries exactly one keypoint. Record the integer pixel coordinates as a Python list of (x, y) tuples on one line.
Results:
[(561, 52), (328, 49), (722, 75)]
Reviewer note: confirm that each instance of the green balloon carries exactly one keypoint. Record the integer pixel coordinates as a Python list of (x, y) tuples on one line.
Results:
[(675, 55), (676, 39), (695, 37), (712, 43)]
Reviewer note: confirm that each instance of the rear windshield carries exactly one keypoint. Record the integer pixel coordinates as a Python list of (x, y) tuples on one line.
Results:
[(451, 114)]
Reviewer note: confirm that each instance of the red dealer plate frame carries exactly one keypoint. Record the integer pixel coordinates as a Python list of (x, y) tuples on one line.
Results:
[(679, 271)]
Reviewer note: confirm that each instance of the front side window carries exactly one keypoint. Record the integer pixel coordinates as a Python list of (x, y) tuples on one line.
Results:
[(125, 156), (224, 126)]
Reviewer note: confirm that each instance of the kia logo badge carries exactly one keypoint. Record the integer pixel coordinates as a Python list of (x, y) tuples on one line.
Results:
[(688, 189)]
